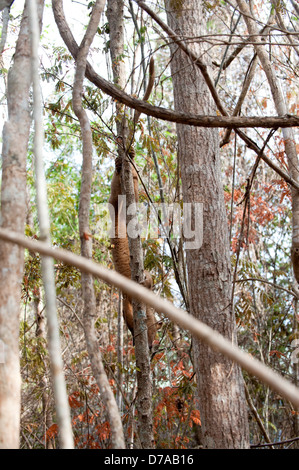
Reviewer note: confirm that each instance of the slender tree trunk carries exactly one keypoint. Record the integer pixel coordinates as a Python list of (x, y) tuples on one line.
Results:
[(85, 236), (47, 264), (120, 348), (220, 384), (144, 385), (13, 216)]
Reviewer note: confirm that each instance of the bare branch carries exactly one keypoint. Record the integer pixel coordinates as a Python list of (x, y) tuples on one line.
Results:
[(248, 78), (253, 146), (246, 41), (275, 286), (256, 415), (278, 443)]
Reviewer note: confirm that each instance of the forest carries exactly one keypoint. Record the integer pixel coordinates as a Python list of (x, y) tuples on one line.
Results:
[(149, 224)]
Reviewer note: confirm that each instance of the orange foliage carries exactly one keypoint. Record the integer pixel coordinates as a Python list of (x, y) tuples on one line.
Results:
[(103, 431), (52, 432), (73, 402)]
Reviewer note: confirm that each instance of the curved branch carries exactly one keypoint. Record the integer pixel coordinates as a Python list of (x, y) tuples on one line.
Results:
[(214, 339), (187, 118)]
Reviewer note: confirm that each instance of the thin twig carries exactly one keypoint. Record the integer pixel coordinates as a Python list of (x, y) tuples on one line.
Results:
[(255, 414), (246, 198)]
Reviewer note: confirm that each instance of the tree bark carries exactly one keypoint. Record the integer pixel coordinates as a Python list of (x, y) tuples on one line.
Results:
[(13, 217), (220, 384)]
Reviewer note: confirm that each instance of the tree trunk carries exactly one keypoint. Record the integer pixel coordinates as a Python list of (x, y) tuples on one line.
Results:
[(47, 264), (220, 384), (13, 216), (89, 315), (144, 385)]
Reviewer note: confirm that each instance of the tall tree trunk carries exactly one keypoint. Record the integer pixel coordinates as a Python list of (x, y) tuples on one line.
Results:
[(13, 216), (115, 13), (89, 316), (47, 264), (220, 383)]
